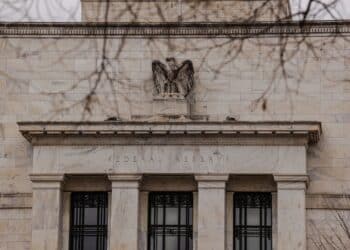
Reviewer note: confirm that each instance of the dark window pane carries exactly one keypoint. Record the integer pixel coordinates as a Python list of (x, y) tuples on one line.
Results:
[(190, 212), (171, 243), (159, 215), (268, 217), (268, 243), (237, 215), (159, 242), (170, 222), (253, 216), (90, 216), (184, 216), (253, 243), (90, 243), (88, 230), (172, 216), (252, 220)]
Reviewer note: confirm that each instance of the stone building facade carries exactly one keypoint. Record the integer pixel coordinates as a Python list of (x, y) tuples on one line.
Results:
[(230, 172)]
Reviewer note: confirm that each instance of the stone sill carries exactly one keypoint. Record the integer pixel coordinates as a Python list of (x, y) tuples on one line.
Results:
[(310, 131)]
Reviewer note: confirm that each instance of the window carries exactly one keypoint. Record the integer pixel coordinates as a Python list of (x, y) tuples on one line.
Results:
[(252, 221), (170, 221), (88, 227)]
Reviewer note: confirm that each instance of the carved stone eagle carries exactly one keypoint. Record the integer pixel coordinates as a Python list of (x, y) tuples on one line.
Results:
[(174, 79)]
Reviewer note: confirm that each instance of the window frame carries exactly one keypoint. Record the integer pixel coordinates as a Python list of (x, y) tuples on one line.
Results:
[(79, 230), (265, 227), (182, 228)]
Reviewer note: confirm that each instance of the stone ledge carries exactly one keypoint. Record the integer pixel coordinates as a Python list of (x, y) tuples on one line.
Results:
[(176, 29), (302, 132)]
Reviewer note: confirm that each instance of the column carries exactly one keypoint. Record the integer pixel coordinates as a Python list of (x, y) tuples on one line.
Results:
[(291, 212), (124, 212), (211, 211), (47, 211)]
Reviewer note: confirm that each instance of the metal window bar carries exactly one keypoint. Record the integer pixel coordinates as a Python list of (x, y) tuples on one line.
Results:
[(253, 221), (170, 221), (88, 223)]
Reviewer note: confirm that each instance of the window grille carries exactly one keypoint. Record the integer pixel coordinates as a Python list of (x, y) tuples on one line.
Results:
[(252, 221), (88, 227), (170, 221)]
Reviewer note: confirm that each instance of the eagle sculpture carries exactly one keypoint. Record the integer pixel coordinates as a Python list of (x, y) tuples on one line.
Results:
[(173, 80)]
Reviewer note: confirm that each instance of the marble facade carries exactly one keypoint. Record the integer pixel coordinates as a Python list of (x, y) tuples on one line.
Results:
[(213, 143), (211, 177)]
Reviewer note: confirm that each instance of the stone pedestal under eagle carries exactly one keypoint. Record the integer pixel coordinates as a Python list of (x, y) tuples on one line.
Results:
[(174, 80)]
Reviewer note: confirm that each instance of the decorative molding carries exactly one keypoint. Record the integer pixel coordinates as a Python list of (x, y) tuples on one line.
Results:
[(47, 181), (125, 177), (47, 177), (291, 182), (175, 133), (291, 178), (176, 29)]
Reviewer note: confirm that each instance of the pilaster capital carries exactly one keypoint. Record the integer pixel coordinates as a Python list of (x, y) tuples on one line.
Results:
[(291, 181), (125, 180), (211, 181), (47, 181), (211, 177)]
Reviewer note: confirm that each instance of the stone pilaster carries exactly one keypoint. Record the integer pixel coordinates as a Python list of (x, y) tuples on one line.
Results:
[(211, 211), (124, 230), (47, 211), (291, 212)]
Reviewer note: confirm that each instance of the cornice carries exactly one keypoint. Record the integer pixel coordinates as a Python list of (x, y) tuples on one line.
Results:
[(191, 132), (174, 30)]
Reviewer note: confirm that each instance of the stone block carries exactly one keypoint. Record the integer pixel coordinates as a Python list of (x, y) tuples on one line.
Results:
[(170, 106)]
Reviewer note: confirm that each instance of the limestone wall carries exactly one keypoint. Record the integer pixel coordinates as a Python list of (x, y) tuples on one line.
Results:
[(183, 10), (44, 79), (15, 228)]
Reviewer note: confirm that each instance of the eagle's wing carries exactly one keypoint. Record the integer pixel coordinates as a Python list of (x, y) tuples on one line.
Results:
[(160, 76), (184, 76)]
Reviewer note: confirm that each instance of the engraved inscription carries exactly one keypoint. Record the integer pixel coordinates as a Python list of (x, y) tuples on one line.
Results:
[(186, 158)]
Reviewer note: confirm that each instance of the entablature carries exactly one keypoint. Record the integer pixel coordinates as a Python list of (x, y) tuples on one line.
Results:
[(186, 132)]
